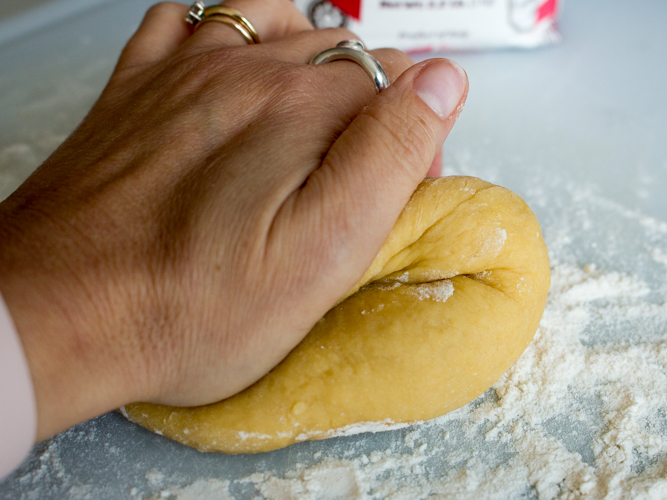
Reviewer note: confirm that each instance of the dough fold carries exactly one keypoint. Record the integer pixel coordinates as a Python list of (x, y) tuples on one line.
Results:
[(450, 302)]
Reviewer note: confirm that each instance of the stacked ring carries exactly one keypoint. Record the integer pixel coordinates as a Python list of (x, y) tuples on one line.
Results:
[(199, 14)]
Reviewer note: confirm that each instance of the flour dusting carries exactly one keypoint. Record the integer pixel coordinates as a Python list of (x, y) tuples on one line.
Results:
[(659, 256), (438, 291), (492, 243), (202, 489), (353, 429)]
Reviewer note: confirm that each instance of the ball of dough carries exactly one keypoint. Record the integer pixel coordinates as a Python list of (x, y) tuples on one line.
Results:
[(450, 302)]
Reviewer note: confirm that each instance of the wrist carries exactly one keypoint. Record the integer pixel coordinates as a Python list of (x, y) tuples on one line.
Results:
[(78, 369)]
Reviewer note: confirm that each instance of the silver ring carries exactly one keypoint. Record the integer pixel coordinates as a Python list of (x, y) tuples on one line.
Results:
[(353, 50)]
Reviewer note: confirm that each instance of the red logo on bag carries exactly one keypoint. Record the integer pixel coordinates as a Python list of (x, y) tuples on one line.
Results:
[(547, 9), (350, 7)]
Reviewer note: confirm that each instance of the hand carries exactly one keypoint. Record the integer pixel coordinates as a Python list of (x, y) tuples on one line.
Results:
[(218, 199)]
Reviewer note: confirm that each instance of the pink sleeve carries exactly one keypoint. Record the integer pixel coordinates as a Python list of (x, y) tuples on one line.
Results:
[(18, 412)]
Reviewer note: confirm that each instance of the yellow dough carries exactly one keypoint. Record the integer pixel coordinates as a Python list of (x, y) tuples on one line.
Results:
[(450, 302)]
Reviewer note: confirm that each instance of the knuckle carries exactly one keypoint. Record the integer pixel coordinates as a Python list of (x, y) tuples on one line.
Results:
[(402, 58), (158, 9), (284, 5), (295, 83), (161, 11), (396, 55), (394, 61)]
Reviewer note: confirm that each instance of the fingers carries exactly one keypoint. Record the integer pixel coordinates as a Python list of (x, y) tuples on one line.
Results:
[(273, 20), (375, 165), (162, 31)]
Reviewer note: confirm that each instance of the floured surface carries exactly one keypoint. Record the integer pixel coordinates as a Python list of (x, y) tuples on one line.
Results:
[(582, 414), (570, 420)]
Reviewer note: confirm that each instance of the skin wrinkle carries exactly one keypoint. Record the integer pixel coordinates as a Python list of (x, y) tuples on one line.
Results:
[(314, 189), (407, 145), (154, 372), (140, 367), (296, 171), (286, 210), (232, 350), (338, 126), (324, 248)]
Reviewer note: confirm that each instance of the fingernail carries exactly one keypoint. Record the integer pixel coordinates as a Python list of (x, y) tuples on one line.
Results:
[(441, 85)]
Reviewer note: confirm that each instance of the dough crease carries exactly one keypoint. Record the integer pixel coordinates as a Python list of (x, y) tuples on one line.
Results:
[(452, 299)]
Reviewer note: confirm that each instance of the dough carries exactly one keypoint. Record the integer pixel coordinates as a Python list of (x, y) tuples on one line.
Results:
[(450, 302)]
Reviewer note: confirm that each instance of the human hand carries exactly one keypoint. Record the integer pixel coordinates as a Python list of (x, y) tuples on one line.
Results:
[(218, 199)]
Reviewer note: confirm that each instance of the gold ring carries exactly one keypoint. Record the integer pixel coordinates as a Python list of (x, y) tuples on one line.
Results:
[(229, 21), (199, 14)]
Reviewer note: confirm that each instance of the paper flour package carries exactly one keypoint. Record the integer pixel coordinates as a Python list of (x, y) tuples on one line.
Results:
[(440, 25)]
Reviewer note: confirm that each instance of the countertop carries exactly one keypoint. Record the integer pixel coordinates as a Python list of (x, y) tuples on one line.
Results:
[(578, 129)]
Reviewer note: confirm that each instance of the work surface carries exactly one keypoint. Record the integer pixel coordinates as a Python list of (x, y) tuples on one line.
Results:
[(578, 130)]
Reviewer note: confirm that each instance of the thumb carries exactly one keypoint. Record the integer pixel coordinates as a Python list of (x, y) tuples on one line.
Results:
[(395, 139), (372, 169)]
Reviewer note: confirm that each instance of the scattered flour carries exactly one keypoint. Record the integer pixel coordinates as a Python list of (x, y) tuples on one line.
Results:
[(354, 429), (154, 477), (202, 489), (659, 256), (527, 414)]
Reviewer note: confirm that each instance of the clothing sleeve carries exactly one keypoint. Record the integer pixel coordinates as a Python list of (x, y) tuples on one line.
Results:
[(18, 411)]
